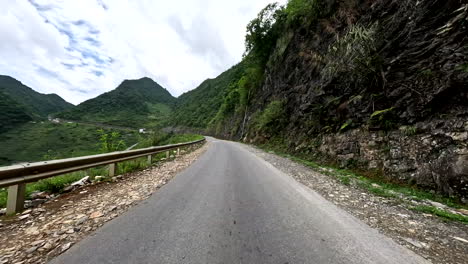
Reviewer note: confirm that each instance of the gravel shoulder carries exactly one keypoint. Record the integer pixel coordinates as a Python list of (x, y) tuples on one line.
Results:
[(41, 233), (431, 237)]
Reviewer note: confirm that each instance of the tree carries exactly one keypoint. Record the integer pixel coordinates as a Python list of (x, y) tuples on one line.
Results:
[(263, 32)]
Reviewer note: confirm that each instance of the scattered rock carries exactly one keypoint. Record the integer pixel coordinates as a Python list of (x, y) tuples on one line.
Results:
[(37, 202), (2, 211), (96, 214), (81, 182), (68, 189), (48, 246), (98, 178), (462, 211), (81, 220), (32, 231), (438, 205), (65, 247), (23, 217), (415, 243), (460, 239), (31, 250), (39, 195), (26, 212), (38, 243)]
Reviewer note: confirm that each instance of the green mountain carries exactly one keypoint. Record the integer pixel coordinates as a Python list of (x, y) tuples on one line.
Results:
[(34, 104), (134, 103), (198, 107), (12, 113)]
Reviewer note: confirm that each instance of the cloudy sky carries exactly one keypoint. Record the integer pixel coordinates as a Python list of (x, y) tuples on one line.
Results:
[(82, 48)]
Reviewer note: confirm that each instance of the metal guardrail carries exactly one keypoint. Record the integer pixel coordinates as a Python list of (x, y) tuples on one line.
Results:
[(15, 177)]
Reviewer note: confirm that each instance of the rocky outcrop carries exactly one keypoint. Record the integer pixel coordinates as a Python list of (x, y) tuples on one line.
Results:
[(432, 155), (378, 85)]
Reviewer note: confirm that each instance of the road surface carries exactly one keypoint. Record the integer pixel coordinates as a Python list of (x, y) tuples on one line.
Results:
[(230, 206)]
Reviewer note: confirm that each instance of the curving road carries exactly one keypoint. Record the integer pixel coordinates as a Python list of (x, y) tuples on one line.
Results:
[(230, 206)]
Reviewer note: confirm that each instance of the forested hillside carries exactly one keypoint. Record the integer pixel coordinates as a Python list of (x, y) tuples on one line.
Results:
[(373, 85), (134, 103), (20, 104), (34, 103), (198, 107), (12, 113)]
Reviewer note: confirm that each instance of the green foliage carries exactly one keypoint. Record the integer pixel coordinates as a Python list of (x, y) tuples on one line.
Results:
[(272, 117), (441, 213), (409, 130), (134, 103), (298, 11), (198, 107), (35, 142), (354, 53), (463, 67), (381, 113), (382, 119), (263, 32), (110, 141), (345, 125)]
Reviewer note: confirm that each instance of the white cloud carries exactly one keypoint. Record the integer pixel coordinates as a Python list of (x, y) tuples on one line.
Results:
[(79, 49)]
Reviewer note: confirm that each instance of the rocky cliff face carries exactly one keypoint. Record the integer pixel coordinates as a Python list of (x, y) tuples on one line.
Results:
[(379, 85)]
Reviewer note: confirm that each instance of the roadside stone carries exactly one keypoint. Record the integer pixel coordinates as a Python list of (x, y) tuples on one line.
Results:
[(65, 247), (37, 202), (416, 243), (23, 217), (31, 250), (438, 205), (96, 214), (81, 220), (32, 231), (26, 212), (2, 211), (39, 195), (461, 239), (98, 178), (68, 189), (81, 182), (38, 243)]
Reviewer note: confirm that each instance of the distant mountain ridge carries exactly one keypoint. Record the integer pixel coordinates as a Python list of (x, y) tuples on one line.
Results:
[(35, 104), (20, 104), (134, 103)]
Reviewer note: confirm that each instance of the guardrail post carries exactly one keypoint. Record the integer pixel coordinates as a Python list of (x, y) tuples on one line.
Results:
[(178, 151), (16, 196), (112, 170), (168, 154), (150, 159)]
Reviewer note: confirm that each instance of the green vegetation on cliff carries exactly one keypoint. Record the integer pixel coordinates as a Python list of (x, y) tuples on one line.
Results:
[(198, 107)]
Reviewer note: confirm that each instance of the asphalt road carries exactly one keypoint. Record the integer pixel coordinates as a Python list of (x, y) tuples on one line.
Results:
[(230, 206)]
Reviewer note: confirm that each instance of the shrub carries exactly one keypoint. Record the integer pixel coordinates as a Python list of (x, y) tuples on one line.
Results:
[(272, 117)]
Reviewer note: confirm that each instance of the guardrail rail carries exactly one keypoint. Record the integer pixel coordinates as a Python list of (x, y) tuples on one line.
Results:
[(15, 177)]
